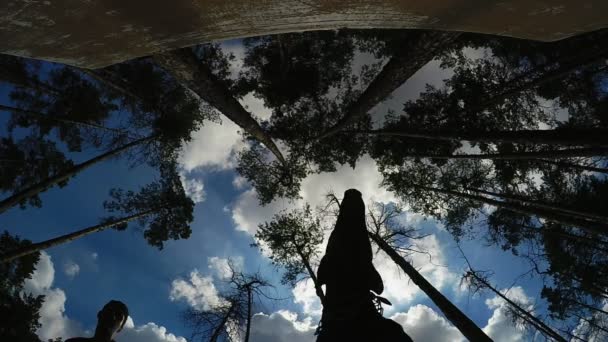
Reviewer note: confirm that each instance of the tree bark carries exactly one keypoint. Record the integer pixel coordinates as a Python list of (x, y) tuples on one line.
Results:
[(537, 322), (37, 247), (587, 137), (218, 330), (51, 181), (467, 327), (194, 75), (406, 62), (546, 214), (313, 277), (530, 155), (249, 304), (540, 204)]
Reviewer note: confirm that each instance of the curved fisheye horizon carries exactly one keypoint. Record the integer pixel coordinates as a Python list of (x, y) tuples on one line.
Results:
[(304, 171)]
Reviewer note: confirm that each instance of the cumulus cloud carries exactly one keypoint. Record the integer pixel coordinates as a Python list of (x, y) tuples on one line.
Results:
[(71, 269), (304, 294), (54, 322), (198, 291), (500, 326), (424, 324), (281, 326), (149, 332), (193, 187), (221, 266), (213, 146)]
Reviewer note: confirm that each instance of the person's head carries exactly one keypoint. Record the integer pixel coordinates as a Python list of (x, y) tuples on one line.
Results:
[(111, 319)]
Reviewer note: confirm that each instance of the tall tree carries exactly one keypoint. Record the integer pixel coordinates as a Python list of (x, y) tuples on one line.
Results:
[(196, 76), (380, 233), (293, 239)]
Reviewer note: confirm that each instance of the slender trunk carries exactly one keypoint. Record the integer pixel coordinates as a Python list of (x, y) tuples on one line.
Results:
[(220, 328), (194, 75), (587, 306), (546, 214), (42, 116), (37, 247), (516, 86), (405, 63), (588, 137), (537, 322), (102, 77), (467, 327), (313, 277), (576, 166), (530, 155), (544, 205), (249, 304), (51, 181), (592, 323)]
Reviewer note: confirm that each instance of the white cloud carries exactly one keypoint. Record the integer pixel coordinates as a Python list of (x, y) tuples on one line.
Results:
[(500, 326), (213, 146), (281, 326), (422, 323), (304, 294), (94, 255), (199, 291), (71, 269), (193, 187), (54, 322), (221, 266), (149, 332)]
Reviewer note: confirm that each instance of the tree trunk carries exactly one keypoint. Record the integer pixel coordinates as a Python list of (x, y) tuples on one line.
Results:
[(546, 214), (596, 244), (313, 277), (405, 63), (49, 182), (50, 118), (537, 322), (530, 155), (539, 204), (194, 75), (37, 247), (467, 327), (588, 137), (249, 304), (219, 329)]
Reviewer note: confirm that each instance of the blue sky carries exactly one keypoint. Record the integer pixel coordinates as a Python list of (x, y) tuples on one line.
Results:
[(158, 285)]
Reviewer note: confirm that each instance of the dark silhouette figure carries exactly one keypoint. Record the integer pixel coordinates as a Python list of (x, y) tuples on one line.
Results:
[(110, 320), (351, 311)]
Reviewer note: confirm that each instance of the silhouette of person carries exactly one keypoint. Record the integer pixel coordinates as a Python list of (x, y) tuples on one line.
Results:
[(110, 320), (351, 309)]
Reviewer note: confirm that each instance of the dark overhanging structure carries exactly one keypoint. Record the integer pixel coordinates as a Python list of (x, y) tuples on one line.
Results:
[(94, 34)]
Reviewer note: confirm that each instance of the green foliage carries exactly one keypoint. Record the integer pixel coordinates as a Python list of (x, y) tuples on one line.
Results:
[(271, 179), (292, 239), (19, 311), (28, 162), (172, 209)]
